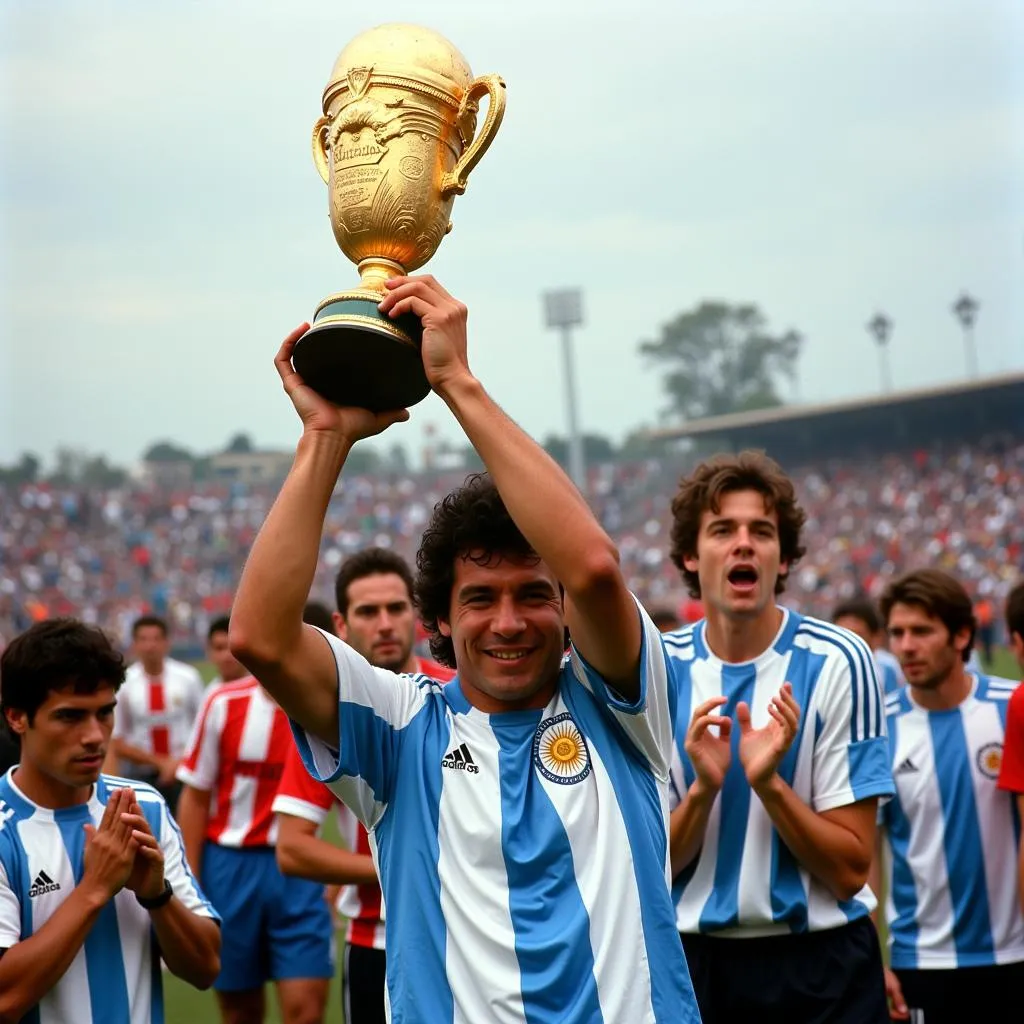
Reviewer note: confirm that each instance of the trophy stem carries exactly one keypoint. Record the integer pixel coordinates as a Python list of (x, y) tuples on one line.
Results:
[(375, 270)]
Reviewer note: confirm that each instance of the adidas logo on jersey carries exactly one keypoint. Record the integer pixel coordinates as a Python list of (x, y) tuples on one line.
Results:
[(460, 759), (43, 884), (905, 767)]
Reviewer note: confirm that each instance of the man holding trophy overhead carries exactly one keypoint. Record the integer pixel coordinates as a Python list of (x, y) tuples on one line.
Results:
[(534, 887)]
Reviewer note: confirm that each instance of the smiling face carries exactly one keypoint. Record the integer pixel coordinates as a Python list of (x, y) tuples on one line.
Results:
[(738, 558), (508, 628), (63, 748)]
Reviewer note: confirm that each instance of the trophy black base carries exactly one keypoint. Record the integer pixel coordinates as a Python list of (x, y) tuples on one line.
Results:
[(354, 355)]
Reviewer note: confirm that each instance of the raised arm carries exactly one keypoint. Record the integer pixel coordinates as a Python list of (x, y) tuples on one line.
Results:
[(545, 505), (268, 636)]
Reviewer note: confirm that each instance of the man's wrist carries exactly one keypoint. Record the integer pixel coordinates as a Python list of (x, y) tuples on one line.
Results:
[(702, 790), (768, 789), (459, 389), (160, 899)]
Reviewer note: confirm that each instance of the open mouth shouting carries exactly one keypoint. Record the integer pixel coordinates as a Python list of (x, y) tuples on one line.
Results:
[(743, 578)]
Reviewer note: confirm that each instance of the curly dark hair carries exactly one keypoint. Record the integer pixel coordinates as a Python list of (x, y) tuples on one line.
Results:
[(940, 596), (471, 522), (53, 655), (369, 562), (702, 491)]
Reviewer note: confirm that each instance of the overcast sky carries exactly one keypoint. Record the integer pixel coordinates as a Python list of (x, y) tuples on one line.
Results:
[(164, 226)]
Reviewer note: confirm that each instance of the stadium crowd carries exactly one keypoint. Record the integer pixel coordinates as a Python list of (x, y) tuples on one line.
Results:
[(110, 556)]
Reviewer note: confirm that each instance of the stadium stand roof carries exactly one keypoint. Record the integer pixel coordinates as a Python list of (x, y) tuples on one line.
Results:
[(967, 411)]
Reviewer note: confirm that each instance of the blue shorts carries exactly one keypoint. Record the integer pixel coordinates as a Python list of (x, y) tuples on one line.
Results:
[(273, 927)]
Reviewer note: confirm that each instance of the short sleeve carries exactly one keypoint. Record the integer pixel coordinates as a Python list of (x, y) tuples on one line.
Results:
[(851, 750), (10, 912), (176, 870), (648, 721), (374, 707), (299, 794), (200, 766), (1011, 775)]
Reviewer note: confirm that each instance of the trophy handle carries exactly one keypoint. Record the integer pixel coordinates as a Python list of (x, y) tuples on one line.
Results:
[(454, 182), (320, 147)]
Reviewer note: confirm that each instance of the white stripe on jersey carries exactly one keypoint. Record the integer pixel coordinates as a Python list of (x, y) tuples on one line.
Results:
[(744, 881), (487, 965), (254, 747), (950, 838)]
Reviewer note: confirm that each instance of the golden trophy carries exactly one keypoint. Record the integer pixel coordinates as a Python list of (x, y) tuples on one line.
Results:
[(395, 145)]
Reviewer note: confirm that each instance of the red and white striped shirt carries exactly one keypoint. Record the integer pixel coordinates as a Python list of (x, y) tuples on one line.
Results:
[(303, 797), (237, 752), (157, 713)]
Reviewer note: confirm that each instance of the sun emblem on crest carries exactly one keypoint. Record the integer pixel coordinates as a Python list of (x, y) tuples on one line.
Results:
[(990, 759), (560, 751)]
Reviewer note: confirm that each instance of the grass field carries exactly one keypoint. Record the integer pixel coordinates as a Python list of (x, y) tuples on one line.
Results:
[(187, 1006)]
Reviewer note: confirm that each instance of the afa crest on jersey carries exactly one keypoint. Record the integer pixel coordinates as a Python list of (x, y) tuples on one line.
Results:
[(990, 759), (560, 751)]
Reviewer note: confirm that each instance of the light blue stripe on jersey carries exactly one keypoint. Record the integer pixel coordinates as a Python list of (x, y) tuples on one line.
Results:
[(670, 985), (16, 863), (366, 747), (104, 962), (904, 928), (964, 858), (549, 918), (789, 901), (722, 907), (411, 876)]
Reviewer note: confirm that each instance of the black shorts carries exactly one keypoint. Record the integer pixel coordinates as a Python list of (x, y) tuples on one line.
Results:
[(362, 985), (963, 993), (827, 977)]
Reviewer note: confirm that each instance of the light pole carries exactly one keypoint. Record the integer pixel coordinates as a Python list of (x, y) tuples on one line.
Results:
[(881, 327), (966, 311), (563, 309)]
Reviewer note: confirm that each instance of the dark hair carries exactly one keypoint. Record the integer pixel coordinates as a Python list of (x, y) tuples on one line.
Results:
[(939, 595), (56, 654), (862, 608), (318, 614), (665, 618), (1015, 611), (369, 562), (149, 620), (221, 624), (471, 522), (703, 490)]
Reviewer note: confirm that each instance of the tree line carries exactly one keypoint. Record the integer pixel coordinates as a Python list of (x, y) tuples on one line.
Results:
[(714, 359)]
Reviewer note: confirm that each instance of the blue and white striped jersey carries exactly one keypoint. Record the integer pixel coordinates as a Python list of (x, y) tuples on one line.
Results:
[(115, 978), (523, 856), (745, 881), (951, 835), (890, 675)]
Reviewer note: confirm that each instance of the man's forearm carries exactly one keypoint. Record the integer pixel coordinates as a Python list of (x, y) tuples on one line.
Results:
[(278, 573), (189, 943), (29, 969), (687, 825), (320, 861), (542, 500), (830, 852)]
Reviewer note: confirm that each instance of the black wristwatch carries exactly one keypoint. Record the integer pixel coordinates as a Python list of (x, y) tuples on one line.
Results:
[(157, 901)]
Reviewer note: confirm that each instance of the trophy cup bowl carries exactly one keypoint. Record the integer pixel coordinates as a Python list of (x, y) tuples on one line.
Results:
[(396, 143)]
